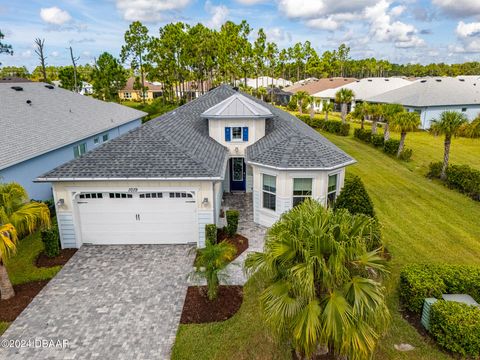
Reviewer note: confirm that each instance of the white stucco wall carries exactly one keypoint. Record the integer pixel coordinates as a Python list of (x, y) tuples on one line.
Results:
[(68, 214), (256, 130), (433, 112), (284, 190)]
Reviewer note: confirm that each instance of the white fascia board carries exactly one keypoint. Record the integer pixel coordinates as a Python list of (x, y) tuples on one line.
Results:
[(303, 169)]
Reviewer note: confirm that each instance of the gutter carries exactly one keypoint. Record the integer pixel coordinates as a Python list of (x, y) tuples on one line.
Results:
[(303, 169), (54, 179)]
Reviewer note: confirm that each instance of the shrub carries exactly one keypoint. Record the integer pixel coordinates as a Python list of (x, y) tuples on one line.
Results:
[(362, 134), (419, 281), (406, 154), (456, 327), (292, 105), (391, 146), (377, 140), (51, 241), (232, 222), (211, 233), (354, 197), (434, 170), (465, 179)]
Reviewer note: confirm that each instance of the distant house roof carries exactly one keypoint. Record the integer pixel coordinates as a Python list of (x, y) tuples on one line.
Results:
[(316, 85), (13, 79), (177, 145), (366, 88), (36, 118), (237, 106), (438, 91), (129, 86)]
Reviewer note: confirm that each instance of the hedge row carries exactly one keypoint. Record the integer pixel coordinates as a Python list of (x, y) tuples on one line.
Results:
[(456, 327), (420, 281), (390, 146), (459, 177), (331, 126)]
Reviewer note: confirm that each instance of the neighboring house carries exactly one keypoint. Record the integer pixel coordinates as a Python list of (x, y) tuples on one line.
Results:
[(279, 96), (265, 81), (85, 89), (429, 97), (163, 182), (363, 89), (44, 126)]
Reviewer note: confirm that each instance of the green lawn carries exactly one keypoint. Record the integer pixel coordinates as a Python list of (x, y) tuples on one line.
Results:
[(423, 221), (21, 267)]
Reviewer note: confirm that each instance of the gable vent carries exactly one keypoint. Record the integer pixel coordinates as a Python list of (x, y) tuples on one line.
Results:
[(17, 88)]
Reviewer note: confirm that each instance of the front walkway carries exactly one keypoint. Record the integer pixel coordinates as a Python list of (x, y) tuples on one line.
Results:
[(243, 202), (108, 302)]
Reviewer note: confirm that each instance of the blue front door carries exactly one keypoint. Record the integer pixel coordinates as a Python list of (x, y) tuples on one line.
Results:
[(237, 174)]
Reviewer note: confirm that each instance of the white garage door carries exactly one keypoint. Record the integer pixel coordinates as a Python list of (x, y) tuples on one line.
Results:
[(140, 218)]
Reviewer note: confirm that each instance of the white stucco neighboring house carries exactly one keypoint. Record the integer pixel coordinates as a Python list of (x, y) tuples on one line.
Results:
[(163, 182), (266, 81), (430, 97)]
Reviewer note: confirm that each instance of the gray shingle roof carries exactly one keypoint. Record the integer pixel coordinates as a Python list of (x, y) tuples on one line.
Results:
[(177, 145), (55, 118), (237, 106), (433, 92)]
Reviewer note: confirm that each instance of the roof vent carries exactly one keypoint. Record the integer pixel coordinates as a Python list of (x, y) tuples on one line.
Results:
[(370, 80), (235, 88), (331, 79), (345, 79), (387, 79), (29, 102), (438, 80), (17, 88), (50, 86), (461, 79), (423, 81)]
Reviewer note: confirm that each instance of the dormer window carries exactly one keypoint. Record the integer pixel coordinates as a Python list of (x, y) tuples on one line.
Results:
[(236, 133)]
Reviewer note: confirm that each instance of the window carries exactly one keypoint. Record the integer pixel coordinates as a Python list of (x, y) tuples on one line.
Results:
[(91, 196), (332, 189), (105, 137), (151, 196), (464, 109), (127, 95), (269, 191), (96, 140), (180, 195), (79, 150), (302, 189), (120, 196), (236, 133)]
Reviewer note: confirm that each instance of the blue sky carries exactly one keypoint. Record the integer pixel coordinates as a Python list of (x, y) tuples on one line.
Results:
[(401, 31)]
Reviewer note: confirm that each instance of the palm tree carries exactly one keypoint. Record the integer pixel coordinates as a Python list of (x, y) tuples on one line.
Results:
[(18, 218), (8, 241), (390, 111), (327, 107), (448, 124), (302, 98), (362, 111), (343, 97), (311, 103), (377, 113), (323, 287), (404, 122), (473, 129), (210, 261), (262, 92)]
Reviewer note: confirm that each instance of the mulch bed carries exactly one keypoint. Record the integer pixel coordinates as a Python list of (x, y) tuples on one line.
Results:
[(239, 241), (24, 294), (65, 255), (197, 309)]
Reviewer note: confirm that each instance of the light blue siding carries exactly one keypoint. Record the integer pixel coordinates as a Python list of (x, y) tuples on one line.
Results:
[(204, 217), (25, 172), (433, 112), (66, 228)]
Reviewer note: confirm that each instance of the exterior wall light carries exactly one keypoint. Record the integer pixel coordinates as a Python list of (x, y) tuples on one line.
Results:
[(205, 201), (61, 202)]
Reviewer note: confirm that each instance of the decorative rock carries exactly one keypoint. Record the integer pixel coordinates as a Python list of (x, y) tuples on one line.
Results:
[(403, 347)]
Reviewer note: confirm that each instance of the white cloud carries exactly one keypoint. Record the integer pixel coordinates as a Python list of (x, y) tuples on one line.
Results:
[(311, 9), (149, 10), (384, 28), (250, 2), (54, 53), (55, 15), (465, 30), (26, 54), (331, 22), (276, 34), (459, 8), (219, 14)]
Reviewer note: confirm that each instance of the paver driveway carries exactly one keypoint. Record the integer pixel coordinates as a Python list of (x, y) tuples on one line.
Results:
[(108, 302)]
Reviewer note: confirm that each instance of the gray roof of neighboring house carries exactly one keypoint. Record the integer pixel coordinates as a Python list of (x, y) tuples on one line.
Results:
[(366, 88), (439, 91), (177, 145), (54, 118), (237, 106)]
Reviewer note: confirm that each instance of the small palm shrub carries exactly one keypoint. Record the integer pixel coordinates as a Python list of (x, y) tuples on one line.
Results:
[(232, 222), (210, 261), (51, 241), (378, 140), (391, 147), (211, 233), (456, 327)]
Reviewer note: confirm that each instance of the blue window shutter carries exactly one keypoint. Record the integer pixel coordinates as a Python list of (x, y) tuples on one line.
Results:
[(228, 135), (245, 134)]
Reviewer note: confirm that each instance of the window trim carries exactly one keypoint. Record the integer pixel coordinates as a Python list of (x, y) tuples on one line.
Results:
[(77, 152), (239, 139), (270, 193), (301, 196)]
